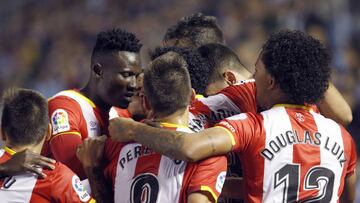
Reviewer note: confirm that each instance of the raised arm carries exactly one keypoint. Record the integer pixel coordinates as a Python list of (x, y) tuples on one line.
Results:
[(90, 154), (335, 107), (174, 144)]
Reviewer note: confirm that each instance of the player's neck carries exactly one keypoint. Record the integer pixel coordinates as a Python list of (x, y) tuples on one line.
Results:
[(180, 117), (279, 101), (88, 91)]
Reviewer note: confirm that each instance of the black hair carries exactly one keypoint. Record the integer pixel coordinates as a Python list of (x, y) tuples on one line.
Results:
[(167, 83), (299, 64), (198, 28), (24, 117), (220, 57), (116, 40), (198, 67)]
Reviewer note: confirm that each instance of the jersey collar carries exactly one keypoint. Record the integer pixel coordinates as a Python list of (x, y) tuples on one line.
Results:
[(83, 97), (172, 125), (294, 106), (9, 151), (199, 96)]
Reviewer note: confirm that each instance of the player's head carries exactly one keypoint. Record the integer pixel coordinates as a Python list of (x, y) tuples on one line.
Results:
[(225, 67), (194, 31), (197, 66), (167, 85), (292, 67), (115, 62), (136, 109), (24, 120)]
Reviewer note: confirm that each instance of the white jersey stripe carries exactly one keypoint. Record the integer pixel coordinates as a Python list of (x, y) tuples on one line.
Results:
[(170, 178), (124, 175), (331, 137), (274, 129), (20, 187), (221, 106)]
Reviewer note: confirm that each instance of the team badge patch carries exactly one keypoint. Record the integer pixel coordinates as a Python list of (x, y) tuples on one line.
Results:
[(220, 180), (80, 189), (60, 121)]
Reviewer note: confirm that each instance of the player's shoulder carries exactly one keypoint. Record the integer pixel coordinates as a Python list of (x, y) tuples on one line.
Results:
[(112, 149), (60, 171), (62, 100)]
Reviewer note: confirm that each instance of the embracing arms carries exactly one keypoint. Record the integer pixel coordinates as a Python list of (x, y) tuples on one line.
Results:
[(174, 144)]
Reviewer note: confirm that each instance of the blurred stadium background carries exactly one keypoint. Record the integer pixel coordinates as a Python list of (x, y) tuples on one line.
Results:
[(46, 45)]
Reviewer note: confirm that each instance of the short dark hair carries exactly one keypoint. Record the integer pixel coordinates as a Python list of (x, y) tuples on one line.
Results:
[(299, 64), (115, 40), (197, 66), (167, 83), (25, 116), (220, 57), (198, 28)]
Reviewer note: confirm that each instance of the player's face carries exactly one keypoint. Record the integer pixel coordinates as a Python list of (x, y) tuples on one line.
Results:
[(118, 83), (261, 76), (135, 107)]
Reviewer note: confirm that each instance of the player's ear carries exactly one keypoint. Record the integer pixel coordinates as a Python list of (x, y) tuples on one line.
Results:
[(193, 95), (229, 77), (97, 68), (271, 82), (48, 132)]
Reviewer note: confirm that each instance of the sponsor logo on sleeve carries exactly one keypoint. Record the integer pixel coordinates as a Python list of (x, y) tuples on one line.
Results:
[(80, 189), (228, 126), (220, 180), (60, 121)]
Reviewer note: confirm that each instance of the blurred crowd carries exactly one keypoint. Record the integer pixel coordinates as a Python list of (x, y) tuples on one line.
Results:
[(46, 45)]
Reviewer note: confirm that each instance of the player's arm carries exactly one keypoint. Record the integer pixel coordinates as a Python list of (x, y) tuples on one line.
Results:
[(66, 121), (348, 194), (174, 144), (63, 148), (90, 153), (335, 107), (26, 161), (207, 180)]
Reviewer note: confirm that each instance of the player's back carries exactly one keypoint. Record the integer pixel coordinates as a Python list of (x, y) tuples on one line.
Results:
[(60, 185), (294, 155), (140, 175)]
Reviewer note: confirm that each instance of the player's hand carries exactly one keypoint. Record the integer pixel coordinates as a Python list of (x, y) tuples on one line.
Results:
[(26, 161), (121, 129), (90, 152)]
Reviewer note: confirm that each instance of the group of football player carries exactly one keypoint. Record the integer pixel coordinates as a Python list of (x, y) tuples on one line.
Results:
[(192, 125)]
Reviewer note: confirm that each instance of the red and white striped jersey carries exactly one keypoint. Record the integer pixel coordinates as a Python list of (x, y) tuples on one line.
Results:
[(60, 185), (290, 154), (138, 174), (119, 112), (72, 114), (232, 100)]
